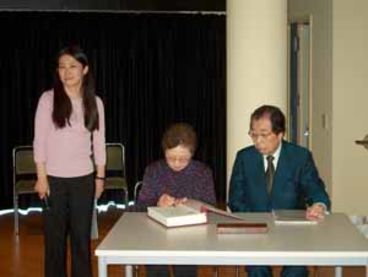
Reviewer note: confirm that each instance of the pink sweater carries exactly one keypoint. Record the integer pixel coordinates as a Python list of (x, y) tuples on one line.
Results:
[(66, 152)]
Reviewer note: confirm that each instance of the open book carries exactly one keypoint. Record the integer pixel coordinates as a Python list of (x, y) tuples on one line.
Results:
[(291, 217), (190, 212)]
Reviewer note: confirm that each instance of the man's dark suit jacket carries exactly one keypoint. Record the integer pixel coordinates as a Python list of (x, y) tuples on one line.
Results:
[(296, 181)]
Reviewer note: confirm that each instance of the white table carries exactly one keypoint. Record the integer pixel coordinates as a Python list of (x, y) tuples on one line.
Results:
[(137, 240)]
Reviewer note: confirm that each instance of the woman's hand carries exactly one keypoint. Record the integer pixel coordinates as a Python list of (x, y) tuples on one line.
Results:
[(99, 183), (180, 201), (42, 183), (99, 180), (42, 187), (166, 200)]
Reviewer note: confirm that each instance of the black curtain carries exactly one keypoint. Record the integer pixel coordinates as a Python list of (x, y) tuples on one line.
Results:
[(151, 70)]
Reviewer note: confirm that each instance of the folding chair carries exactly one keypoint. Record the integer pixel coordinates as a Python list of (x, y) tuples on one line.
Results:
[(24, 177), (115, 169), (137, 189)]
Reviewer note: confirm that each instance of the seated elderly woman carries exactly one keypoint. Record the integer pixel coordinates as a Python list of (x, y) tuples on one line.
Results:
[(169, 181)]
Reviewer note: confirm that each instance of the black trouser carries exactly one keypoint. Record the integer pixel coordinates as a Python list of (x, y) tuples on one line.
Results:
[(70, 213), (287, 271), (179, 270)]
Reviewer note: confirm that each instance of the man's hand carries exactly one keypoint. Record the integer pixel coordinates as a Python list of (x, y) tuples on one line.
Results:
[(316, 212)]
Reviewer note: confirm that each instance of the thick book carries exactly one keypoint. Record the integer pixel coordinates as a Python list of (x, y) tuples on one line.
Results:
[(190, 212), (241, 228), (292, 217), (180, 215)]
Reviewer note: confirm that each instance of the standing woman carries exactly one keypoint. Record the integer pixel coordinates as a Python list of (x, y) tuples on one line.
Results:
[(69, 130)]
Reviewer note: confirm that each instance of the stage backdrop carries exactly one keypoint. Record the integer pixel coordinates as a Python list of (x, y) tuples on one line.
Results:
[(151, 70)]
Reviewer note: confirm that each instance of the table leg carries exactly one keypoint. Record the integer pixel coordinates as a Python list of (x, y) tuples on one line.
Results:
[(338, 271), (128, 271), (102, 267)]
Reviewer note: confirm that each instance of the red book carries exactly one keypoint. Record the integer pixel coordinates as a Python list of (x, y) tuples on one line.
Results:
[(242, 228)]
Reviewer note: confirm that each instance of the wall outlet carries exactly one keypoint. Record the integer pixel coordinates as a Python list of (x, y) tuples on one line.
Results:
[(325, 124)]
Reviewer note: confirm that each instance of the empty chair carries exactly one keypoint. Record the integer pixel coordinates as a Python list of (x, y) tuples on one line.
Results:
[(137, 189), (24, 177), (115, 169)]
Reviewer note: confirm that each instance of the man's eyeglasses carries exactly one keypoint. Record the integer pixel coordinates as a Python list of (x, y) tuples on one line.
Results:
[(263, 136)]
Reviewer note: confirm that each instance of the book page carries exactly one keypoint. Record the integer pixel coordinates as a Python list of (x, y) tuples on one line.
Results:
[(176, 211), (204, 207)]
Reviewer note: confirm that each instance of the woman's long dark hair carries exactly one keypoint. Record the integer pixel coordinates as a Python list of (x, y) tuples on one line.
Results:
[(62, 109)]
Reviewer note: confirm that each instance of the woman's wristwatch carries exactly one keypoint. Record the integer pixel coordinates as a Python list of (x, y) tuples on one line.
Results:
[(100, 178)]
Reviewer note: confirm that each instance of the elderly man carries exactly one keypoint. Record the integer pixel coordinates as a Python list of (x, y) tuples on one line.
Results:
[(275, 174)]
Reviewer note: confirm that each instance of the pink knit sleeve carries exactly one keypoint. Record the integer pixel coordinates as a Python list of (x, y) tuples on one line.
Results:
[(99, 148), (42, 125)]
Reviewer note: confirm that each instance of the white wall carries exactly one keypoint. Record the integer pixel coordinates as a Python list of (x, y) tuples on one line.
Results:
[(350, 105), (340, 90)]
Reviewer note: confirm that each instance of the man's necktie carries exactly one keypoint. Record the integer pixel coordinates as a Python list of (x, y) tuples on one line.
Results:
[(270, 172)]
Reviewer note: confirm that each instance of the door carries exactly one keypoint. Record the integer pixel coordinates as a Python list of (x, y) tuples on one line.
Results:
[(299, 83)]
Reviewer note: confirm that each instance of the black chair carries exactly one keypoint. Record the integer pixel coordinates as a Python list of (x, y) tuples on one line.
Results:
[(24, 177), (115, 169), (137, 189)]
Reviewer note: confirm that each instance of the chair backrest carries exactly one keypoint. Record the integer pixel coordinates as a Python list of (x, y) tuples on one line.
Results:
[(23, 162), (137, 189), (115, 157), (24, 170)]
